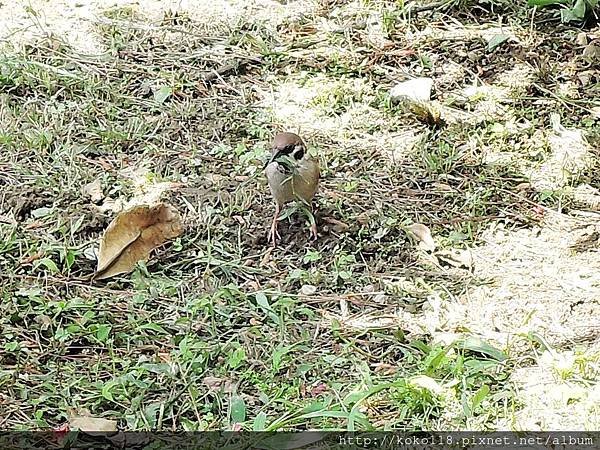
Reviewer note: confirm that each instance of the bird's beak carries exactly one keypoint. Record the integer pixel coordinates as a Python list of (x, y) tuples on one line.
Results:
[(274, 156)]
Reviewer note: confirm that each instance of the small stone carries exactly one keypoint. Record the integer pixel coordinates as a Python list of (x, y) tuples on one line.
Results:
[(308, 289), (581, 39), (417, 90)]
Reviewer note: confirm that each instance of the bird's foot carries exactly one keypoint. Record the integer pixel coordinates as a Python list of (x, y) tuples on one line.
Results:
[(273, 234), (313, 231)]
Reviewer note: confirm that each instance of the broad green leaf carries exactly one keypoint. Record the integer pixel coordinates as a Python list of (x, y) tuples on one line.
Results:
[(480, 365), (238, 409), (103, 332), (479, 396), (580, 9), (162, 368), (48, 264), (151, 413), (41, 212), (106, 390), (568, 15), (478, 345), (69, 258), (278, 354), (262, 301), (436, 361), (496, 41), (153, 327), (162, 93), (236, 357), (260, 422)]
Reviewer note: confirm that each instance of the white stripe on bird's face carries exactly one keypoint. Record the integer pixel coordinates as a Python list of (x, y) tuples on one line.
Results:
[(298, 152)]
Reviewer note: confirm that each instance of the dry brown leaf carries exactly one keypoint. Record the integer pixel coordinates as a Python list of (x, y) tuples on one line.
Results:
[(132, 235), (213, 383), (422, 233), (93, 190), (457, 258), (89, 424), (338, 225), (427, 112)]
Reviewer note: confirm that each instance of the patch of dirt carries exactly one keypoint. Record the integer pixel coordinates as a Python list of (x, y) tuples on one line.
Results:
[(75, 22), (21, 204), (552, 402), (539, 284), (543, 283)]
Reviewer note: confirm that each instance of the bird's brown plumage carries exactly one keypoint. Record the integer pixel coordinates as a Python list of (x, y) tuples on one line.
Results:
[(291, 183)]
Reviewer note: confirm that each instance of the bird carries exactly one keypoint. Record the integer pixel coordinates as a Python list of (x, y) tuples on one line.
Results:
[(292, 174)]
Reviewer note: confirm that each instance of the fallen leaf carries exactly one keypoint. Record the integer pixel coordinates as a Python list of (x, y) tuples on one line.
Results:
[(266, 258), (8, 220), (35, 224), (422, 233), (213, 383), (93, 190), (497, 40), (457, 258), (60, 432), (317, 390), (106, 165), (132, 235), (89, 424), (385, 369), (162, 93), (591, 52), (338, 225), (31, 258), (44, 321), (581, 39), (308, 289), (363, 218), (427, 112)]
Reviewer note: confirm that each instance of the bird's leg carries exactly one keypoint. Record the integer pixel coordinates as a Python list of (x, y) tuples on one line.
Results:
[(313, 221), (273, 235), (313, 230)]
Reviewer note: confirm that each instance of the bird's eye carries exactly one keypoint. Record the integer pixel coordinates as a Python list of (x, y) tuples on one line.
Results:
[(298, 152)]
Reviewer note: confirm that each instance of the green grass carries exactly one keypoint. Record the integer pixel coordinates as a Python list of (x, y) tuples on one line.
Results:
[(216, 330)]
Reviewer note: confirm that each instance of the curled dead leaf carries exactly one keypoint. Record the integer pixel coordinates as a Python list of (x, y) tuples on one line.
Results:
[(338, 225), (89, 424), (457, 258), (93, 190), (213, 383), (423, 235), (427, 112), (132, 235)]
